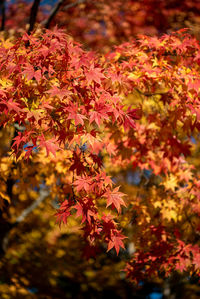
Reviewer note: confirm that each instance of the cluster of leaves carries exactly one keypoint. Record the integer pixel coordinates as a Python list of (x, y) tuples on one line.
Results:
[(63, 99), (82, 119), (161, 75)]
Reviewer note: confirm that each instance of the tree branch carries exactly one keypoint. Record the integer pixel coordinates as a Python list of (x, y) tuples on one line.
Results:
[(3, 14), (55, 9), (66, 7), (33, 206), (24, 214), (53, 12), (149, 94), (33, 15)]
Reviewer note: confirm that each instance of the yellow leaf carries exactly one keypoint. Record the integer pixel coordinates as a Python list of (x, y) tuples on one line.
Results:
[(170, 183), (169, 214)]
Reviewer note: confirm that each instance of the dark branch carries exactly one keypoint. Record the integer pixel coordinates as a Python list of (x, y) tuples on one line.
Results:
[(34, 10), (3, 14), (53, 12), (55, 9)]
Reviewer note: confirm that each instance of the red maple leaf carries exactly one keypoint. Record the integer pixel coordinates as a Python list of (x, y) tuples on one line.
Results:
[(11, 106), (73, 114), (29, 150), (49, 145), (58, 92), (115, 198), (31, 73), (78, 118), (83, 183), (79, 211), (94, 74), (99, 114), (63, 213), (20, 138), (116, 242), (77, 164)]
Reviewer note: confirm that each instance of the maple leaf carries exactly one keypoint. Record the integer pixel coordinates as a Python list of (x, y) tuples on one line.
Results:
[(79, 211), (94, 74), (134, 113), (87, 210), (83, 183), (73, 114), (46, 105), (31, 73), (58, 92), (129, 122), (50, 145), (95, 116), (77, 164), (78, 118), (2, 93), (115, 198), (29, 149), (196, 260), (93, 141), (103, 179), (11, 106), (182, 263), (20, 138), (100, 113), (116, 242), (171, 182), (63, 213)]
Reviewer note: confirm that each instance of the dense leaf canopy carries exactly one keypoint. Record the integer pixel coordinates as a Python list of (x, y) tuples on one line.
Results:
[(107, 143)]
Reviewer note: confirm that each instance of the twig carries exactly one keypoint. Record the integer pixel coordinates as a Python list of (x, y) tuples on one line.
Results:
[(73, 193), (33, 15), (66, 7), (3, 14), (55, 9)]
